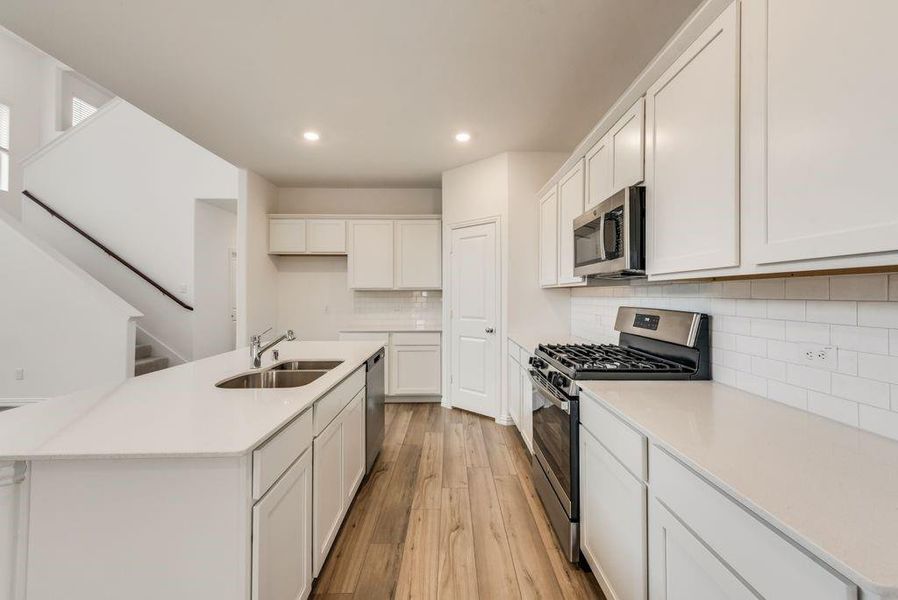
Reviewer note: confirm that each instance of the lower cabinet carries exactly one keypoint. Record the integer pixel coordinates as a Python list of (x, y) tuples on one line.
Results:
[(520, 391), (339, 465), (415, 370), (513, 372), (282, 537), (526, 394)]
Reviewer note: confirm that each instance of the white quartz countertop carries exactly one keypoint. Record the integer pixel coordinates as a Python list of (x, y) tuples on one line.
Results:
[(831, 488), (174, 412), (400, 329)]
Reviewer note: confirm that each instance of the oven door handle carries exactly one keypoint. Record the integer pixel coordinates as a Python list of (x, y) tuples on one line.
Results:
[(542, 387)]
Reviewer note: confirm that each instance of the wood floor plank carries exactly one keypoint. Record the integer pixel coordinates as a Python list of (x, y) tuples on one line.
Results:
[(458, 570), (428, 487), (475, 446), (500, 460), (378, 578), (398, 426), (535, 575), (419, 572), (496, 577), (454, 469), (418, 425), (393, 519)]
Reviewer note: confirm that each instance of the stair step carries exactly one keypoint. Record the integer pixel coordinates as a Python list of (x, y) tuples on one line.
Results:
[(150, 365), (143, 351)]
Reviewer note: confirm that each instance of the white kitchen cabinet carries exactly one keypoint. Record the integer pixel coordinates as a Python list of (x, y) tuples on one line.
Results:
[(692, 155), (526, 426), (282, 537), (514, 387), (612, 521), (682, 568), (370, 255), (287, 236), (818, 129), (339, 465), (571, 198), (415, 370), (548, 239), (617, 160), (326, 236), (599, 174), (419, 254)]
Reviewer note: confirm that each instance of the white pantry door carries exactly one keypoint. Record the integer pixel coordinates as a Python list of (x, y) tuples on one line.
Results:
[(474, 311)]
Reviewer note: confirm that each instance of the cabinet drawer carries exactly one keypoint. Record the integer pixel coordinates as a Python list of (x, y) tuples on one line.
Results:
[(763, 558), (424, 338), (625, 443), (330, 406), (273, 457)]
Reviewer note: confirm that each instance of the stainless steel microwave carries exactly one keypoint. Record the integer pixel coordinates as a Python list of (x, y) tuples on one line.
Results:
[(609, 239)]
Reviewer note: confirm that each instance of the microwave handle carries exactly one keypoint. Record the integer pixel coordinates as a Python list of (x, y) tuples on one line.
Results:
[(602, 255)]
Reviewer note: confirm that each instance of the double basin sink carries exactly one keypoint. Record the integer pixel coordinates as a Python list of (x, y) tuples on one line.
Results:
[(285, 374)]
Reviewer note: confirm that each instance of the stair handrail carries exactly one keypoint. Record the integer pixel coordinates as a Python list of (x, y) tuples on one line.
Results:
[(105, 249)]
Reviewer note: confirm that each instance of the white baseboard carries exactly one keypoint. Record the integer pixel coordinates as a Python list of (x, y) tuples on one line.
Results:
[(504, 420), (412, 400)]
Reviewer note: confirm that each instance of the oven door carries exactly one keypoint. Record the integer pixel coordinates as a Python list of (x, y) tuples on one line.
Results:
[(555, 442)]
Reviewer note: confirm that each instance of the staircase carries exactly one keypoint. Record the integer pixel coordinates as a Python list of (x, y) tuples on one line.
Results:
[(145, 362)]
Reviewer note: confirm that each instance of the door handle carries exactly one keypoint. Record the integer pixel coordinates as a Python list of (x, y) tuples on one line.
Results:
[(490, 330)]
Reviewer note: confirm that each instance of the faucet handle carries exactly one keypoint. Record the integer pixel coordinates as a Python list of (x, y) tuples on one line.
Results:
[(256, 339), (275, 355)]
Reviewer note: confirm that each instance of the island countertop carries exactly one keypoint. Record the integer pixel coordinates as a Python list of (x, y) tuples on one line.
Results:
[(174, 412)]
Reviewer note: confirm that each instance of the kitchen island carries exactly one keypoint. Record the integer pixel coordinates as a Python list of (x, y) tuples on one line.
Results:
[(166, 486)]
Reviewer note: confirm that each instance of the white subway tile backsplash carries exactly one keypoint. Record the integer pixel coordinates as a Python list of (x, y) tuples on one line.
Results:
[(882, 422), (807, 377), (834, 408), (878, 314), (768, 288), (762, 328), (807, 288), (816, 333), (863, 391), (863, 339), (839, 313), (859, 287)]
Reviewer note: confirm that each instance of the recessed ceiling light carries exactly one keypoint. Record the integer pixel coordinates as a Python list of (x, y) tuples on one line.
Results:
[(462, 136), (311, 136)]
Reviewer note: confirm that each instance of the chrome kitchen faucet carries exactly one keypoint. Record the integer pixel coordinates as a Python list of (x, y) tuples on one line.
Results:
[(257, 349)]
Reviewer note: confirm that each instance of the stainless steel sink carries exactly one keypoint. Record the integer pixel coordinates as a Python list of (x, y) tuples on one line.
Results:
[(271, 378), (306, 365)]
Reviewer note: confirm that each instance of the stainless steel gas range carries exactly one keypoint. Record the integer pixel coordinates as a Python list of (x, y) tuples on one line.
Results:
[(653, 344)]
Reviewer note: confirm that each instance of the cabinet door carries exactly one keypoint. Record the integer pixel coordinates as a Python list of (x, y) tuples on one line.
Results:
[(627, 142), (571, 197), (326, 236), (282, 538), (692, 155), (371, 255), (419, 255), (599, 166), (526, 407), (287, 236), (548, 239), (353, 447), (613, 521), (415, 370), (514, 390), (329, 490), (682, 568), (819, 129)]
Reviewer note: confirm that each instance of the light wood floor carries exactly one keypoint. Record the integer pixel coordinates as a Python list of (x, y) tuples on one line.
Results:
[(449, 511)]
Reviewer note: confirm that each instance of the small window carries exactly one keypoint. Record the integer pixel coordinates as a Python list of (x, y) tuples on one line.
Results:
[(81, 110), (4, 148)]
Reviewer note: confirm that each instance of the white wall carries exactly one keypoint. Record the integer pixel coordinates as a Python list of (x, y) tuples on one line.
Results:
[(215, 237), (359, 201), (257, 279), (131, 182), (62, 327)]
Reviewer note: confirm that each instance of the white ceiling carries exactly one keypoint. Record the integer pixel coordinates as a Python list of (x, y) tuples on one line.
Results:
[(386, 82)]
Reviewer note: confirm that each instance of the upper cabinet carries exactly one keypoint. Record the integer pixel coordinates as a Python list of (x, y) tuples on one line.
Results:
[(548, 239), (571, 198), (617, 160), (371, 255), (692, 155), (388, 255), (326, 236), (815, 173), (418, 254), (287, 236)]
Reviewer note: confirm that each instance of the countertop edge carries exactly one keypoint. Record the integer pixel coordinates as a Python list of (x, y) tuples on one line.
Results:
[(886, 590)]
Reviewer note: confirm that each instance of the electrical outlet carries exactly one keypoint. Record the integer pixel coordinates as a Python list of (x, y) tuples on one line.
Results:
[(20, 374), (822, 357)]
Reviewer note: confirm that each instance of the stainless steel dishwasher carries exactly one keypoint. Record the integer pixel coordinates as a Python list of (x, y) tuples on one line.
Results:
[(374, 411)]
